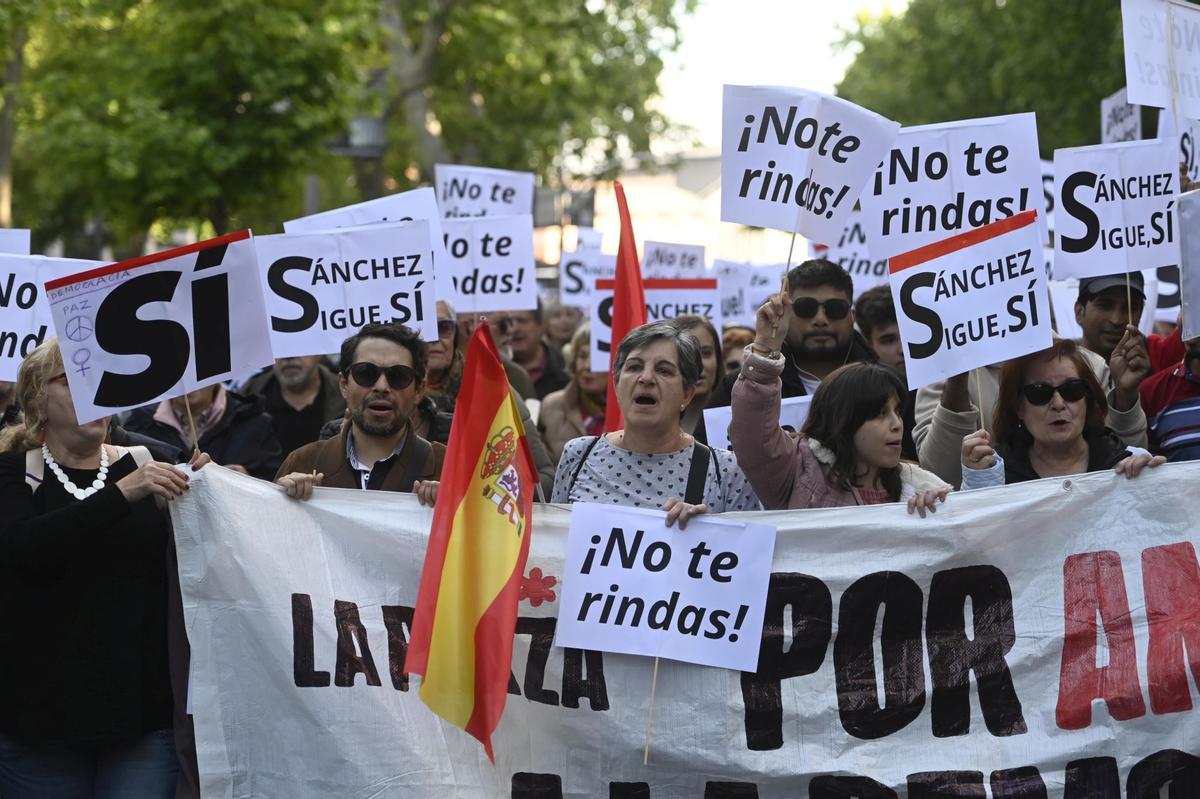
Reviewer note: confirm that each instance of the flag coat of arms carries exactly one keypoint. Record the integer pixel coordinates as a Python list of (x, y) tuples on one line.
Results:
[(466, 612)]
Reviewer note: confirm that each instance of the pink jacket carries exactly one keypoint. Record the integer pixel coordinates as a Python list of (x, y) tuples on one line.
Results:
[(783, 470)]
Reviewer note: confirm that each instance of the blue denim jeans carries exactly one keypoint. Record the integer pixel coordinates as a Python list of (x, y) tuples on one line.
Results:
[(136, 768)]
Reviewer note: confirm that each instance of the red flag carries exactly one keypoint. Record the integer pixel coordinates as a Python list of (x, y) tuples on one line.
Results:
[(629, 305)]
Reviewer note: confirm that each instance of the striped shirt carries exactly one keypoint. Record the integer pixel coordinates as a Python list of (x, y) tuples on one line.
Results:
[(1171, 400)]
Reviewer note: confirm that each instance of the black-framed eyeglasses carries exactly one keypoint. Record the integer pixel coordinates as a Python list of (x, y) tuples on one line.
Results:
[(446, 327), (1071, 390), (366, 374), (806, 308)]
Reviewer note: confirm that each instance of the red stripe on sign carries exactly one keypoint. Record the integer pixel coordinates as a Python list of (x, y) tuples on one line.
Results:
[(664, 283), (143, 260), (960, 241)]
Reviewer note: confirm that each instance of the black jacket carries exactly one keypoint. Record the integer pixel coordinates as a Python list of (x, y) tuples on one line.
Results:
[(120, 437), (244, 436), (1105, 450)]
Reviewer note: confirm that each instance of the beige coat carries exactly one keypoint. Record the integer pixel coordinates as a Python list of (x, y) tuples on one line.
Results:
[(560, 419)]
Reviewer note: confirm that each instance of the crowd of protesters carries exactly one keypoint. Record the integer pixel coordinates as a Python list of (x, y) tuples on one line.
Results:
[(101, 700)]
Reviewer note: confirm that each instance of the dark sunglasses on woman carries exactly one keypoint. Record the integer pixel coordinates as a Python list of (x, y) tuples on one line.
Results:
[(367, 374), (446, 328), (1071, 390), (806, 308)]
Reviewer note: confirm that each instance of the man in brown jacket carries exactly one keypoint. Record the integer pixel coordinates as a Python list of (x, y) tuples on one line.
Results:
[(381, 370)]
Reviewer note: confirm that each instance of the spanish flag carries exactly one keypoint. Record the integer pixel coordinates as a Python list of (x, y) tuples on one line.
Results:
[(462, 632)]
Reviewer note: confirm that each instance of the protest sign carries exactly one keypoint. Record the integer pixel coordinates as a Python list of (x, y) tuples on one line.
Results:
[(1166, 309), (976, 298), (1115, 208), (850, 252), (320, 288), (1189, 262), (633, 585), (672, 261), (796, 160), (1189, 140), (665, 300), (479, 191), (14, 241), (155, 327), (792, 413), (407, 206), (578, 273), (587, 238), (25, 319), (1024, 639), (491, 266), (1119, 121), (949, 177), (744, 288), (1049, 195), (1162, 54)]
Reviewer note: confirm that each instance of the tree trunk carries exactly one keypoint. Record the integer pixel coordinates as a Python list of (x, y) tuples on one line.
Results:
[(8, 118)]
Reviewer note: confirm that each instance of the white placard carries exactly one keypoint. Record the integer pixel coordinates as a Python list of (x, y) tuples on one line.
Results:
[(491, 266), (850, 252), (155, 327), (587, 238), (870, 612), (661, 259), (1189, 262), (953, 176), (1189, 140), (578, 273), (320, 288), (1050, 198), (14, 241), (633, 585), (977, 298), (744, 289), (1162, 54), (479, 191), (792, 413), (25, 319), (796, 160), (1119, 120), (1115, 208), (665, 300), (407, 206)]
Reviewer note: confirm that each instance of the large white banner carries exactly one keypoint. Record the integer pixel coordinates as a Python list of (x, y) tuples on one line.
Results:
[(1115, 208), (952, 176), (159, 326), (665, 300), (25, 319), (482, 191), (974, 299), (1162, 54), (1024, 638), (320, 288), (796, 160)]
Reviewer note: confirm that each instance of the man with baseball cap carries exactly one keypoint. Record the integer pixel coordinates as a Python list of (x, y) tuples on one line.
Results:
[(1103, 311)]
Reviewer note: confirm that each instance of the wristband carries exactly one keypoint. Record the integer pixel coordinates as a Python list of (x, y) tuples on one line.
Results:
[(764, 350)]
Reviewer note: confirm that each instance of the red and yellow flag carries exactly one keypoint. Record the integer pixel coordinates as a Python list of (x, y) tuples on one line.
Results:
[(466, 612)]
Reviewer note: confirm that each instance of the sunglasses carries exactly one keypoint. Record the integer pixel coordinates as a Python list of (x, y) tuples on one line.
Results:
[(806, 308), (1071, 390), (446, 328), (367, 375)]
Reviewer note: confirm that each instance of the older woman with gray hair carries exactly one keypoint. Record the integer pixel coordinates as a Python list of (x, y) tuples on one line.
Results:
[(652, 462)]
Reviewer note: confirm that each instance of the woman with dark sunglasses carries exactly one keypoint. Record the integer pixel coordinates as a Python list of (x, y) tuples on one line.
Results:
[(1049, 422)]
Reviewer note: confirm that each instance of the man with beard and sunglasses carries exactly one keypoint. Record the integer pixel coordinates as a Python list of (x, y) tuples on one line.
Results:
[(381, 370), (820, 331)]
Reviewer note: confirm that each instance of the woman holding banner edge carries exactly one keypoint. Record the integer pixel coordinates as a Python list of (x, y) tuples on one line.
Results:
[(848, 452), (84, 582), (1049, 422)]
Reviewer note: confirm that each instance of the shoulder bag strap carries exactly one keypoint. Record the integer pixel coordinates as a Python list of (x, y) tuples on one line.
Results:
[(579, 466), (693, 494)]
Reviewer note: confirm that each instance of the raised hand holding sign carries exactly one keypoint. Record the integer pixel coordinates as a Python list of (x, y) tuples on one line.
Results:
[(142, 330)]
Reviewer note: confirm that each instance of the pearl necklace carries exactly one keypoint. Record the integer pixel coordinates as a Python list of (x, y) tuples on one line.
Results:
[(72, 489)]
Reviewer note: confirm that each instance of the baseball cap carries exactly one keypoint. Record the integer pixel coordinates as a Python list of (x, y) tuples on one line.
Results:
[(1091, 286)]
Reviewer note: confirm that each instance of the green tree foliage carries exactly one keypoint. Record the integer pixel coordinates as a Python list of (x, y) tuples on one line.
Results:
[(942, 60)]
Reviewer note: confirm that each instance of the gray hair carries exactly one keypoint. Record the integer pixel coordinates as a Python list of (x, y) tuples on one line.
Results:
[(687, 349)]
